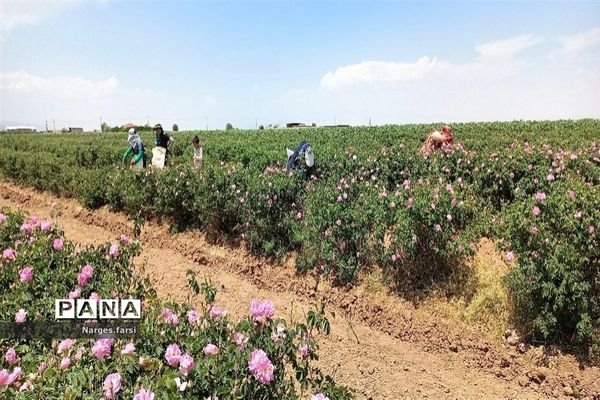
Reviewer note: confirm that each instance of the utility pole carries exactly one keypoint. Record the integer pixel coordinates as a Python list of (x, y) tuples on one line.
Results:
[(54, 125), (101, 123), (369, 122), (46, 125), (206, 119)]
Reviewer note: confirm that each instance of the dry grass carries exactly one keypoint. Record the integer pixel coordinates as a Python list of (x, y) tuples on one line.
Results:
[(479, 297)]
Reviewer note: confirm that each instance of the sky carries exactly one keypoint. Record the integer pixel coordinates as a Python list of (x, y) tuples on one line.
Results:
[(206, 63)]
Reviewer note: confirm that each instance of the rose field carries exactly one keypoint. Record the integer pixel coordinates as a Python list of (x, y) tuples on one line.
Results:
[(376, 214)]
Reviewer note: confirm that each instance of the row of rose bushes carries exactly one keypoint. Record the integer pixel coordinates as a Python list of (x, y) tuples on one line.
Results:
[(374, 201), (178, 352)]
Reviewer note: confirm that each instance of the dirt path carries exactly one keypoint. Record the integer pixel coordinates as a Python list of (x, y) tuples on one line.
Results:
[(381, 346)]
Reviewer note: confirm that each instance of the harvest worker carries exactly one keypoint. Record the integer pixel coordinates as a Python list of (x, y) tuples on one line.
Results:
[(136, 146), (197, 157), (163, 139), (294, 161), (436, 140)]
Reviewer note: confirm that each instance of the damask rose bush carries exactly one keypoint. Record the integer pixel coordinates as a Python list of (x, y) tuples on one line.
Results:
[(556, 282), (179, 351)]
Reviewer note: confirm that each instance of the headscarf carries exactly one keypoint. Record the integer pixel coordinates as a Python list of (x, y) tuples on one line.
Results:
[(132, 137)]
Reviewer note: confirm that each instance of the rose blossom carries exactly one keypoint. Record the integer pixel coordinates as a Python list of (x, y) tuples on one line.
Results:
[(186, 364), (58, 244), (144, 394), (26, 274), (128, 349), (510, 256), (102, 348), (114, 250), (260, 366), (173, 355), (11, 356), (210, 350), (240, 340), (65, 345), (65, 363), (112, 385)]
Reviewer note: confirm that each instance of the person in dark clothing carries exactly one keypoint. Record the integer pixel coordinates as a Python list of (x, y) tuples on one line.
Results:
[(303, 152), (163, 139), (136, 147)]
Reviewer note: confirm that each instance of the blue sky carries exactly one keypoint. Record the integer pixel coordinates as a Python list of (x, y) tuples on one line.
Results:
[(201, 63)]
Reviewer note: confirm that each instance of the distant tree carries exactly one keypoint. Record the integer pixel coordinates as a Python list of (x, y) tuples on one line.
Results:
[(229, 127), (175, 128), (260, 127), (104, 127), (314, 125)]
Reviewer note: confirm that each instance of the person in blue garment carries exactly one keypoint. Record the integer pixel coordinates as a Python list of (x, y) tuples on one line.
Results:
[(302, 158), (135, 148)]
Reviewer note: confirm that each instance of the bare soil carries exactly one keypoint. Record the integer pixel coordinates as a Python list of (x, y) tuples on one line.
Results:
[(381, 346)]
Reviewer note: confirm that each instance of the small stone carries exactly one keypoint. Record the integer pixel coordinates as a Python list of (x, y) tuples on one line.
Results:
[(521, 347), (568, 391), (523, 381), (453, 348)]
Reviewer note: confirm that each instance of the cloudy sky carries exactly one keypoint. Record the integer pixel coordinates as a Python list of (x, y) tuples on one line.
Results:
[(200, 63)]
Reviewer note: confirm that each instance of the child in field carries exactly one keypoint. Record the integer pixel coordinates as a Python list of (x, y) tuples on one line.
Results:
[(197, 157), (136, 147)]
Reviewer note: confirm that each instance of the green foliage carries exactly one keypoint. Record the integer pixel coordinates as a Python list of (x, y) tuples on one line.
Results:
[(243, 194)]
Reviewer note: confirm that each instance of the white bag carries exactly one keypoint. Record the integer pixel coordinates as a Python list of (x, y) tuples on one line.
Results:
[(158, 157)]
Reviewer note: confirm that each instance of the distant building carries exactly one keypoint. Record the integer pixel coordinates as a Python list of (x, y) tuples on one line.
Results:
[(295, 125), (21, 129), (75, 129)]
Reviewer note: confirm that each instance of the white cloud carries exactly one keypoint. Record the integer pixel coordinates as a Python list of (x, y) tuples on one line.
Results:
[(580, 41), (255, 87), (60, 87), (495, 60), (378, 72), (210, 99), (505, 49), (14, 13)]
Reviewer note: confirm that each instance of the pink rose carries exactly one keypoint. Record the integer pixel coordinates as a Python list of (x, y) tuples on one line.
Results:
[(11, 356), (536, 211), (186, 364), (114, 250), (540, 196), (102, 348), (128, 349), (46, 226), (21, 316), (261, 367), (26, 274), (74, 294), (58, 244), (193, 317), (9, 254), (27, 228), (112, 385), (260, 310), (173, 355), (124, 239), (144, 394), (510, 256), (319, 396), (65, 363), (215, 312), (210, 350), (240, 339), (304, 351)]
